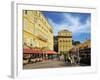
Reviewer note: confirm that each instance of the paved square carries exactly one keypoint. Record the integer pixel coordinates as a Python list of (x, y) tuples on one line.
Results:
[(49, 64)]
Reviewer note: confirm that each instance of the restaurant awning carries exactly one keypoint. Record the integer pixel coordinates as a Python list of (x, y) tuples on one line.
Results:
[(50, 52), (27, 50), (32, 51), (37, 51)]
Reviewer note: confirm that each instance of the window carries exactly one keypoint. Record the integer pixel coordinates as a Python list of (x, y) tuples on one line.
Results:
[(31, 42), (39, 25), (60, 40), (39, 15), (36, 12), (63, 40), (25, 11), (35, 19)]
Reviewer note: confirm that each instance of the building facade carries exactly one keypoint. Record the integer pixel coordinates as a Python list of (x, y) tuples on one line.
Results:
[(82, 52), (37, 32), (64, 41), (37, 37), (85, 52)]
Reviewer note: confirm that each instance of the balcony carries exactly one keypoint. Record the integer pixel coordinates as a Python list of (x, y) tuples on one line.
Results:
[(42, 37), (64, 36)]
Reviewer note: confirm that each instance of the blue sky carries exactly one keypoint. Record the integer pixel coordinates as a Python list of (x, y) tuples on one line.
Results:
[(78, 23)]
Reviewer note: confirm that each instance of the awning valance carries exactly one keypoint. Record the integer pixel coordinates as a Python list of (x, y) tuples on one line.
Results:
[(37, 51)]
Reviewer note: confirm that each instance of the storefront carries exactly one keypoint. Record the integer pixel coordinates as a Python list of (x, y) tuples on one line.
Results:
[(38, 55)]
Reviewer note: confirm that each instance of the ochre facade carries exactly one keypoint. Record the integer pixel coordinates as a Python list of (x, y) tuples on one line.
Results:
[(64, 41), (37, 32)]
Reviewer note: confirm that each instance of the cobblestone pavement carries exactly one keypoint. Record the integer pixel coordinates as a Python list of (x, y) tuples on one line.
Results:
[(48, 64)]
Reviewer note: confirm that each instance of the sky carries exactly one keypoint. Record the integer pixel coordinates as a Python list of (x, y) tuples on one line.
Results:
[(78, 23)]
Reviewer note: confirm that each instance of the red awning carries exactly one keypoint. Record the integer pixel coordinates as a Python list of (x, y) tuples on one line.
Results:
[(50, 52), (37, 51), (32, 51), (27, 50)]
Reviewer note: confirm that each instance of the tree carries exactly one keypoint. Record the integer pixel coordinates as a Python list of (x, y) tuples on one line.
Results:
[(56, 43), (75, 42)]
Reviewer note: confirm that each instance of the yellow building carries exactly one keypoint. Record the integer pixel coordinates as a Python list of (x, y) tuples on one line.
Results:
[(64, 41), (85, 44), (82, 52), (37, 32)]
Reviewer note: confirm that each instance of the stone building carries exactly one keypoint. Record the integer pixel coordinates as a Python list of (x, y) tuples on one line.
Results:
[(64, 41)]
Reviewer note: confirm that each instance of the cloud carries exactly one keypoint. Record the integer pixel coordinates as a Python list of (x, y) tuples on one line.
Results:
[(57, 27), (72, 23)]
